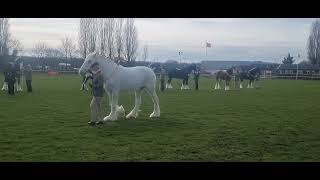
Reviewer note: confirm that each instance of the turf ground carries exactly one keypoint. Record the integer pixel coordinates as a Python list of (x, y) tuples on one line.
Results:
[(278, 122)]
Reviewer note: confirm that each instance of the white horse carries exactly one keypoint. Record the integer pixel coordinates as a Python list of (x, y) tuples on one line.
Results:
[(118, 78)]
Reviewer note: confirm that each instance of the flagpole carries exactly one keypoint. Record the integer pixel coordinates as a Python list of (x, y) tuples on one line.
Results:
[(206, 49)]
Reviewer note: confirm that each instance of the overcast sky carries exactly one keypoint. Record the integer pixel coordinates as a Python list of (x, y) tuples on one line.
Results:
[(231, 38)]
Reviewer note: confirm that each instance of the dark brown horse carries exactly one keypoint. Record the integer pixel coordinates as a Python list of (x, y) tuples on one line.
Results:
[(226, 76)]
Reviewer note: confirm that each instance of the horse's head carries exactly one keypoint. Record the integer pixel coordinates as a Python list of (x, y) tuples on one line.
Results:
[(92, 59), (231, 71), (191, 67), (155, 66), (258, 73)]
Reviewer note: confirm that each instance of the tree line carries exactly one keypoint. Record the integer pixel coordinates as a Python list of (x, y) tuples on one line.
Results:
[(116, 38), (313, 47), (9, 45)]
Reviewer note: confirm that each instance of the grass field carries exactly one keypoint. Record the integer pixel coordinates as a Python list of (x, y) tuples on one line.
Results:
[(278, 122)]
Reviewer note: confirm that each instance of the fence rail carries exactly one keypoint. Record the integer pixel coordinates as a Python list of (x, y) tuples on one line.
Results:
[(292, 76), (276, 76)]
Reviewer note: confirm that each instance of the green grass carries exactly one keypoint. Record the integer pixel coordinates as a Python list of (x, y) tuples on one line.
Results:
[(278, 122)]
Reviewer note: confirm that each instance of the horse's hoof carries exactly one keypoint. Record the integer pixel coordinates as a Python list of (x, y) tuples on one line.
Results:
[(99, 122), (130, 116), (110, 118), (91, 123), (154, 115)]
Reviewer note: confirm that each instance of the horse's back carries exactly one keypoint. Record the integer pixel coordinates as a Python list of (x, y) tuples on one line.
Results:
[(137, 77)]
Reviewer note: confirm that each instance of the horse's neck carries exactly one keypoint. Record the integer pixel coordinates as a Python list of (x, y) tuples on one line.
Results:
[(108, 67), (188, 70)]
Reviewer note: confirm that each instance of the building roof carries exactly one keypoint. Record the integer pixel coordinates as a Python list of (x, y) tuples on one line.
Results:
[(300, 67)]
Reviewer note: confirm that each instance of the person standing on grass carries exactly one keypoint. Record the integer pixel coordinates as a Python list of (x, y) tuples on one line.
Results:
[(28, 76), (162, 78), (97, 92), (5, 73), (196, 78), (11, 79)]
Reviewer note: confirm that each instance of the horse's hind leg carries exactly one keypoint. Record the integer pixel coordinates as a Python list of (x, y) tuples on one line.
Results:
[(155, 99), (135, 110), (226, 88)]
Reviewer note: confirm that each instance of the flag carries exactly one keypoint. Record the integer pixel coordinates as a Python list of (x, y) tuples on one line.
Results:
[(208, 44)]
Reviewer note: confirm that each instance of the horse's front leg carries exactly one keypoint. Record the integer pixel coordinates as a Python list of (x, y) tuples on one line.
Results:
[(5, 86), (168, 85), (120, 110), (114, 106), (109, 98), (249, 84), (135, 110), (186, 84), (219, 84), (183, 84)]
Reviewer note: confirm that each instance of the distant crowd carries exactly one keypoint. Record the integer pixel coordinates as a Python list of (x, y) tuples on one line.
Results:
[(13, 73)]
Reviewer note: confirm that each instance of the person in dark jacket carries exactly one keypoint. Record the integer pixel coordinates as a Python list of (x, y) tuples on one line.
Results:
[(97, 92), (162, 78), (11, 79), (196, 78), (28, 77)]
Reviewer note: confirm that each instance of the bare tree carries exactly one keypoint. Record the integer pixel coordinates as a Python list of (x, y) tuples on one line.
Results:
[(314, 43), (83, 37), (110, 36), (288, 59), (87, 36), (93, 30), (119, 37), (15, 46), (145, 52), (40, 50), (68, 47), (106, 38), (54, 53), (130, 40), (4, 36)]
